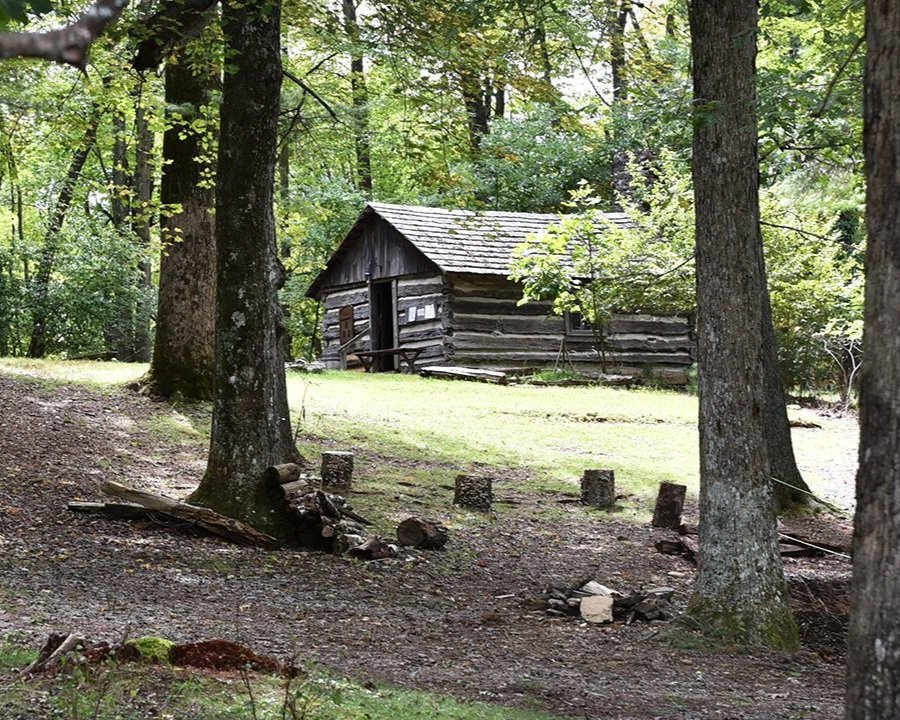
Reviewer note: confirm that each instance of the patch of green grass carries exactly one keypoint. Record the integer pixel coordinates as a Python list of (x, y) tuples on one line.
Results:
[(175, 428), (552, 433), (123, 691), (13, 656), (83, 372)]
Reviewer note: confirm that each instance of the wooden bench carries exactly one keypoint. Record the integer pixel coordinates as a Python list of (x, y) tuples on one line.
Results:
[(407, 355)]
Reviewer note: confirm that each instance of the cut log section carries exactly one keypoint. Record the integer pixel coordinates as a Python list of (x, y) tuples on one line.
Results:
[(420, 533), (473, 492), (229, 528), (283, 474), (669, 506), (598, 488), (337, 471)]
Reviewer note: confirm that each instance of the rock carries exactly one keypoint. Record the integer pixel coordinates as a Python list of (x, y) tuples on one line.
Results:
[(663, 593), (597, 609), (595, 588)]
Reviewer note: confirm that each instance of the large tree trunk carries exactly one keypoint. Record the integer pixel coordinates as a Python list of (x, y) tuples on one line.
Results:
[(251, 428), (873, 678), (182, 360), (360, 101), (40, 311), (740, 594)]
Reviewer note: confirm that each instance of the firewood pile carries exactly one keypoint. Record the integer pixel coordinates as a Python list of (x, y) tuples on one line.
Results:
[(320, 520), (598, 604), (791, 545)]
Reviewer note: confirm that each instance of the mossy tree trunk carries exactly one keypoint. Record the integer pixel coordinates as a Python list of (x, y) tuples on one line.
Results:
[(873, 662), (251, 427), (182, 361), (740, 595)]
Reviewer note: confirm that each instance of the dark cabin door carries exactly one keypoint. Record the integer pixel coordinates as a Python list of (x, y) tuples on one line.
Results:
[(382, 319)]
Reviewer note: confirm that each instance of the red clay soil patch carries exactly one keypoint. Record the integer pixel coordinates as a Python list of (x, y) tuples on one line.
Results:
[(221, 655)]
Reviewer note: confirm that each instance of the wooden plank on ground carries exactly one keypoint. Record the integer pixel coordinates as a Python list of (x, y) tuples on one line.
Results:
[(463, 373), (229, 528)]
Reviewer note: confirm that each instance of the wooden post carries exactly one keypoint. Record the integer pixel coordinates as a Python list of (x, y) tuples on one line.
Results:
[(669, 504), (337, 471), (598, 488), (473, 492)]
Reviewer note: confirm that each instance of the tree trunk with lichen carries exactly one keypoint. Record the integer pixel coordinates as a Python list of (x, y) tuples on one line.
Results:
[(740, 594), (873, 661), (182, 361), (251, 428)]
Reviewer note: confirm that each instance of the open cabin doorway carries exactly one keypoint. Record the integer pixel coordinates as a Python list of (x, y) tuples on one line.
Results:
[(383, 323)]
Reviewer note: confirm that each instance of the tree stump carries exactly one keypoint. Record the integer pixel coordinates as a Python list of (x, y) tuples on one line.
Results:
[(598, 488), (473, 492), (337, 471), (420, 533), (669, 505)]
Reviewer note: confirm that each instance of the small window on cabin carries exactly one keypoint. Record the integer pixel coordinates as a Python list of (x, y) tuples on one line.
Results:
[(346, 324), (577, 324)]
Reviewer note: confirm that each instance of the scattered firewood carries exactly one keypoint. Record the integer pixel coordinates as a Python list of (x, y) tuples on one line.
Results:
[(669, 506), (685, 546), (473, 492), (283, 474), (337, 470), (598, 604), (421, 533), (374, 548), (598, 488), (52, 652), (796, 545), (229, 528)]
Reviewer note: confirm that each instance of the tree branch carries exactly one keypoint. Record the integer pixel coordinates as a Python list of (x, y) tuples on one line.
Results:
[(306, 88), (823, 106), (68, 45), (174, 24)]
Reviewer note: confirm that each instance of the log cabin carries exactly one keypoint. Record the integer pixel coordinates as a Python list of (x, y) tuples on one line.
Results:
[(437, 281)]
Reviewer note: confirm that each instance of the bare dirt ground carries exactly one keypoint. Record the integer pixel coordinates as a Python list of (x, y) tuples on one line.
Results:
[(453, 621)]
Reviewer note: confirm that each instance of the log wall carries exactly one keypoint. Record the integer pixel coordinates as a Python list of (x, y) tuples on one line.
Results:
[(487, 328), (476, 321), (420, 317)]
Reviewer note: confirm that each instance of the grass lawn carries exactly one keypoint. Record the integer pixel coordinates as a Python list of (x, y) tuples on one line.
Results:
[(554, 433), (544, 437)]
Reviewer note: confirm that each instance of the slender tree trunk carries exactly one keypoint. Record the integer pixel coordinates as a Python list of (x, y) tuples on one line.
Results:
[(41, 289), (782, 463), (117, 335), (182, 360), (360, 98), (740, 594), (618, 19), (143, 186), (477, 111), (873, 662), (251, 427)]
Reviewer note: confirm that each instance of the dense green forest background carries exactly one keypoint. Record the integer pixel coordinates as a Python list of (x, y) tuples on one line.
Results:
[(496, 105)]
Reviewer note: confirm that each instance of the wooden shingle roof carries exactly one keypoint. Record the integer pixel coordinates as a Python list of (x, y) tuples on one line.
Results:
[(467, 241)]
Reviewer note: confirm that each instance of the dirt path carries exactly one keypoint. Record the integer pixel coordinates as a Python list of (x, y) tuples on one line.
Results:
[(452, 621)]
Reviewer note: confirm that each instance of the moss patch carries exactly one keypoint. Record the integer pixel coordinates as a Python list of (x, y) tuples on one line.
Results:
[(152, 649)]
